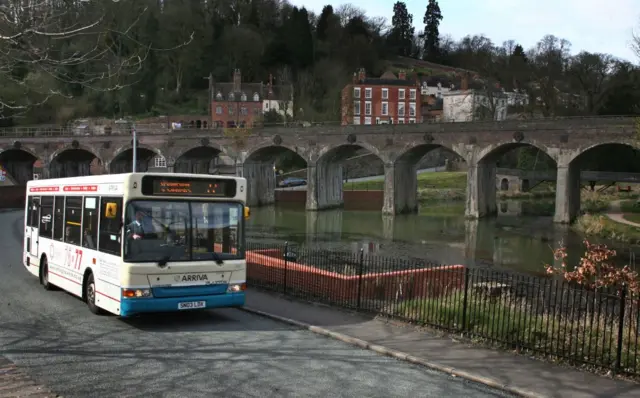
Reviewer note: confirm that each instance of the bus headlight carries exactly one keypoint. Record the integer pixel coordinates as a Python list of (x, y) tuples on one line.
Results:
[(237, 288), (136, 293)]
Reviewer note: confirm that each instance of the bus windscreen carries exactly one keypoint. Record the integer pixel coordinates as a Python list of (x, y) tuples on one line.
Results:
[(180, 186)]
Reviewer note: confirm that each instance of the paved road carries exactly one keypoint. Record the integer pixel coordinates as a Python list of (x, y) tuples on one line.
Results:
[(54, 337)]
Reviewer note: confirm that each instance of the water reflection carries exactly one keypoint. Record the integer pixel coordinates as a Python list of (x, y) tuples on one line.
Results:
[(439, 233)]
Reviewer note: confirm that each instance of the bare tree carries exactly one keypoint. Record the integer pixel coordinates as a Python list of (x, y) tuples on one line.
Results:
[(285, 95), (46, 45), (635, 43)]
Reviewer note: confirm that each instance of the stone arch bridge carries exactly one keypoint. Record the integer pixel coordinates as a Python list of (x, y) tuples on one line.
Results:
[(251, 153)]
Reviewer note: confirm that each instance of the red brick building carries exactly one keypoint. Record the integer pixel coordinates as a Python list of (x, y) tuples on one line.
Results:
[(236, 103), (389, 99)]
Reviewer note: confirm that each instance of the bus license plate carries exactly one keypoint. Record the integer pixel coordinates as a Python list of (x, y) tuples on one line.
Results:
[(192, 305)]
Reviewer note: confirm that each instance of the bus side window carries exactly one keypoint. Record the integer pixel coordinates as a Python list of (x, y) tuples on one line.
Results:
[(73, 220), (32, 214), (90, 222), (110, 240), (58, 218), (46, 217)]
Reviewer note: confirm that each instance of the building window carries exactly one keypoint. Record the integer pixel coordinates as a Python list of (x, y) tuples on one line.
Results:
[(401, 93), (367, 93), (400, 121), (218, 110), (377, 120), (244, 111), (385, 109), (256, 97), (230, 110), (367, 108), (219, 96), (401, 109), (243, 97), (356, 108), (160, 161), (412, 109), (231, 97), (356, 120), (256, 111), (356, 92), (385, 93), (412, 94), (367, 120), (412, 120)]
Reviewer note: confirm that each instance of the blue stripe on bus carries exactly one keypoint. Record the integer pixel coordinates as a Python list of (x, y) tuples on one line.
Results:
[(130, 307), (186, 291)]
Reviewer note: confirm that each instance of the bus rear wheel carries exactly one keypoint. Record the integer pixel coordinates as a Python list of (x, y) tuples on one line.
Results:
[(44, 274), (90, 294)]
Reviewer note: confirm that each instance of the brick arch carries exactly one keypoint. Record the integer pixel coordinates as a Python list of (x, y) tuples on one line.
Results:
[(125, 148), (87, 148), (178, 153), (576, 154), (328, 150), (415, 151), (23, 149), (254, 151), (492, 150)]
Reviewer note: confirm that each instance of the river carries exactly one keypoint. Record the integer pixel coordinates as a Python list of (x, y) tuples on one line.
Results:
[(520, 238)]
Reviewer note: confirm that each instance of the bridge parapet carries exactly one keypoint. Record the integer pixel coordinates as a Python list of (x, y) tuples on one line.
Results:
[(613, 124)]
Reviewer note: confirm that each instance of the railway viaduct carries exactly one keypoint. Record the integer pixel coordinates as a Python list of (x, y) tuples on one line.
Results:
[(62, 152)]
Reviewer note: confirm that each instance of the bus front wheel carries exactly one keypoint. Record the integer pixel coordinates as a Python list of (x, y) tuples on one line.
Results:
[(44, 274), (90, 294)]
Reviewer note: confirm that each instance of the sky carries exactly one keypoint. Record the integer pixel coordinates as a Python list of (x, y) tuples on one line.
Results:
[(590, 25)]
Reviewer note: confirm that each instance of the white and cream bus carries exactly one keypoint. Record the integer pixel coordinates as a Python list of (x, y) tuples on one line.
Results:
[(138, 243)]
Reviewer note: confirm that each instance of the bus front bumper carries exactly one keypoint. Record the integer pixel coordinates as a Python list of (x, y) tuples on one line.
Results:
[(134, 306)]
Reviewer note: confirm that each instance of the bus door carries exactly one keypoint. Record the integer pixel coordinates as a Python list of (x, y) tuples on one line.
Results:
[(33, 224)]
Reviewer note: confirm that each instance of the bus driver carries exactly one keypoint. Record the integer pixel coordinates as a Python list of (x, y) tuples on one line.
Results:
[(136, 229)]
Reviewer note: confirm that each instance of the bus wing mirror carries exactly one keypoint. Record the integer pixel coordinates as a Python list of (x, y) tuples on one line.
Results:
[(247, 212), (111, 210)]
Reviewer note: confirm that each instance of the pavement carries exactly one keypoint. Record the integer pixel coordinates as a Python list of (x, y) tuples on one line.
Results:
[(55, 344), (615, 214), (516, 373)]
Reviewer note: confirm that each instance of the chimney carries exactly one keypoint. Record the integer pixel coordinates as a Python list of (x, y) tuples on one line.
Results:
[(402, 75), (355, 78), (464, 85), (237, 80), (362, 74)]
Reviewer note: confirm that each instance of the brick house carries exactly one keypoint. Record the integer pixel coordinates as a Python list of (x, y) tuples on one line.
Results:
[(389, 99), (243, 104)]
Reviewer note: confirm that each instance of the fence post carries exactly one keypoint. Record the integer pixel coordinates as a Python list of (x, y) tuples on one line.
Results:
[(623, 300), (465, 299), (286, 260), (360, 272)]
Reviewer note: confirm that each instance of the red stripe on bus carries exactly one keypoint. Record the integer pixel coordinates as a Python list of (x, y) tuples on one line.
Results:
[(65, 278), (80, 188), (107, 296), (44, 189)]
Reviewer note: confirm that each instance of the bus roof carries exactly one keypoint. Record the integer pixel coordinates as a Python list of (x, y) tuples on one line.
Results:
[(118, 178)]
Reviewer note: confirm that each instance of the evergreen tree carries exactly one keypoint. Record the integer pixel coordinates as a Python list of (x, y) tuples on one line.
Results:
[(323, 22), (432, 18), (401, 35)]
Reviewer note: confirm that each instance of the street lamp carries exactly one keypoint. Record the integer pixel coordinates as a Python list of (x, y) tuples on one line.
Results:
[(135, 147)]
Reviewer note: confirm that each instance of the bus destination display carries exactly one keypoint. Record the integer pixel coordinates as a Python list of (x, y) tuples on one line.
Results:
[(169, 186)]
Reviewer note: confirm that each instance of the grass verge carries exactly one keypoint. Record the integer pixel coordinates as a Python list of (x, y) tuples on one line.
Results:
[(577, 336), (603, 227)]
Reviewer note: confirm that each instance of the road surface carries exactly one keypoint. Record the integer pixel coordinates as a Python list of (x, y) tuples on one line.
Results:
[(55, 339)]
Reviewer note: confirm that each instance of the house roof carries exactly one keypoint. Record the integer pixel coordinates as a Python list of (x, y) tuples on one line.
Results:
[(279, 92)]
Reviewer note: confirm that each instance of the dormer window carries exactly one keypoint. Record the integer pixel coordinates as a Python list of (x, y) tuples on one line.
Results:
[(231, 97), (219, 96), (256, 97), (243, 97)]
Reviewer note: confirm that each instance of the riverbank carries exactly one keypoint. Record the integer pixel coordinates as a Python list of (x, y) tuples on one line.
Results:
[(617, 220), (451, 186)]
